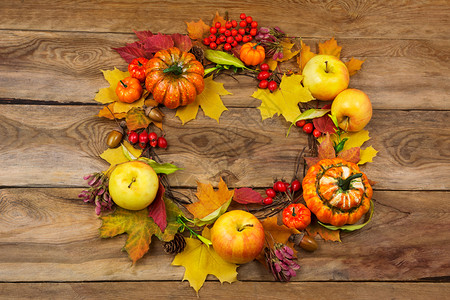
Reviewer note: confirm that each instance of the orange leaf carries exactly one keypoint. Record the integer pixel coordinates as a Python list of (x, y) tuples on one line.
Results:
[(277, 233), (330, 47), (196, 30), (326, 149), (354, 65), (218, 18), (305, 56), (106, 113), (315, 228), (210, 200), (311, 161), (351, 155), (136, 119)]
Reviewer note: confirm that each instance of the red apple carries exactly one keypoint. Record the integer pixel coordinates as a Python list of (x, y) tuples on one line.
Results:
[(325, 76), (237, 236), (352, 109), (133, 185)]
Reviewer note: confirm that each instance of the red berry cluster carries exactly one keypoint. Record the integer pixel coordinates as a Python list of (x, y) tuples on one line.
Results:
[(145, 138), (232, 33), (308, 127), (264, 77), (281, 187)]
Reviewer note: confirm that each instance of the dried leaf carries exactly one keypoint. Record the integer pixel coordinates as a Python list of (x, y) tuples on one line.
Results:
[(315, 228), (355, 139), (196, 30), (218, 18), (354, 65), (139, 228), (277, 233), (137, 119), (351, 155), (287, 50), (132, 51), (284, 101), (311, 161), (209, 200), (181, 41), (108, 112), (122, 107), (199, 260), (142, 35), (157, 209), (330, 47), (325, 124), (305, 56), (108, 95), (326, 148), (209, 100), (158, 42), (247, 195), (367, 155)]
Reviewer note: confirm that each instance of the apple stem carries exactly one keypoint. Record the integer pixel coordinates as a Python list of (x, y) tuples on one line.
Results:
[(326, 66), (133, 180), (244, 226)]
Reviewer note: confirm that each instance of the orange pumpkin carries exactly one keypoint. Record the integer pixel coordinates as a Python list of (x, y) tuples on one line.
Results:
[(129, 90), (337, 192), (252, 54), (174, 77)]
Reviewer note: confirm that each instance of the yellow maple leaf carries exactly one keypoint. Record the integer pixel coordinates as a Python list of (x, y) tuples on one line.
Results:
[(108, 95), (305, 56), (330, 47), (199, 260), (367, 155), (209, 100), (108, 112), (277, 233), (196, 30), (287, 50), (122, 107), (284, 101), (116, 156), (210, 200), (353, 65)]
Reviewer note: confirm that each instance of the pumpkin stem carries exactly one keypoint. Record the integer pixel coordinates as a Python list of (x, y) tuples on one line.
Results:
[(123, 84), (345, 184), (175, 69), (256, 45), (293, 212)]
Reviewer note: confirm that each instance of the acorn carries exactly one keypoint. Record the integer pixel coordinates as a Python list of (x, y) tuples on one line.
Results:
[(114, 138), (304, 241), (154, 113)]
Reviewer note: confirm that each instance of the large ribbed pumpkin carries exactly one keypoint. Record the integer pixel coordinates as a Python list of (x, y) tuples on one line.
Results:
[(174, 77), (337, 192)]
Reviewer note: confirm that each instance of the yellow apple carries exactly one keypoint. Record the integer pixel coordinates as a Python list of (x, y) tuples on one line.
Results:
[(237, 236), (352, 109), (325, 76), (133, 185)]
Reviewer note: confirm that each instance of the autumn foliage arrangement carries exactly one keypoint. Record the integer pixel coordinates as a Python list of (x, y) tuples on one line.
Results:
[(180, 71)]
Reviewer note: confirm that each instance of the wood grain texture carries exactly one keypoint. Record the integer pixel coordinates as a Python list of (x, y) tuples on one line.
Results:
[(50, 235), (407, 19), (65, 68), (215, 290), (57, 145)]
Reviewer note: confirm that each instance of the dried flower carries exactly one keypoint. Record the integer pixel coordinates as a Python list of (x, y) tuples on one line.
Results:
[(270, 39), (281, 261), (98, 192)]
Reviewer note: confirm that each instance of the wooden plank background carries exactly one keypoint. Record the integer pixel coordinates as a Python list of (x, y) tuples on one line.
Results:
[(51, 54)]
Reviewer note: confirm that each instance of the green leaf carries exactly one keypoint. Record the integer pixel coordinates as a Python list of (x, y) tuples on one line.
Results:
[(127, 153), (350, 227), (334, 119), (223, 58), (212, 217), (165, 168), (309, 114)]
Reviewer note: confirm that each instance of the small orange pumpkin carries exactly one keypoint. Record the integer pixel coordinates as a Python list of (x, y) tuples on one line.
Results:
[(252, 54), (174, 77), (129, 90), (337, 192)]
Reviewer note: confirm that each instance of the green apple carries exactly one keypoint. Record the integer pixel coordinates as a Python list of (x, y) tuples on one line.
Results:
[(325, 76), (133, 185), (352, 109), (237, 236)]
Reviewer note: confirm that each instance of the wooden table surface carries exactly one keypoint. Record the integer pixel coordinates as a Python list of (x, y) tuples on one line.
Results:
[(51, 53)]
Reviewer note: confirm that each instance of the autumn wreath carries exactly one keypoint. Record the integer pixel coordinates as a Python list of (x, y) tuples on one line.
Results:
[(178, 71)]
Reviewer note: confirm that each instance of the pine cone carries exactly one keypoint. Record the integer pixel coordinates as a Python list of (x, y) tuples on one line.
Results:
[(176, 245), (198, 53), (281, 262)]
